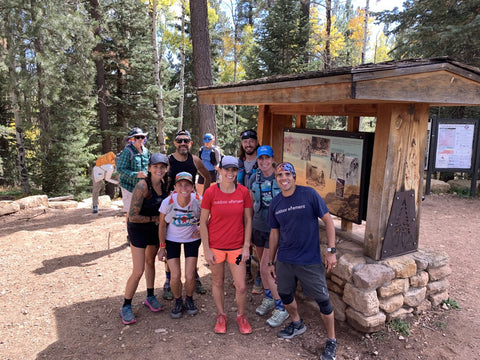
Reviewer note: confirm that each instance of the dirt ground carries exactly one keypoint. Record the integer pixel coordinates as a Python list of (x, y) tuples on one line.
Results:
[(63, 273)]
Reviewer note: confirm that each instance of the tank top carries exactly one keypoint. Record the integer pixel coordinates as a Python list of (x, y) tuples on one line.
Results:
[(151, 206), (179, 166)]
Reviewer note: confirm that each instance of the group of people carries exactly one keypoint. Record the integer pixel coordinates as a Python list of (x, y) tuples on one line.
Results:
[(254, 202)]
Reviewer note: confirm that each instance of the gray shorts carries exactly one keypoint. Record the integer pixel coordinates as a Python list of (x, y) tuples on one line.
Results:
[(311, 277)]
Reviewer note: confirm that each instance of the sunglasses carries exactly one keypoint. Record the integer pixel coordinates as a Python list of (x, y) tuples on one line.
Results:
[(139, 137), (185, 141)]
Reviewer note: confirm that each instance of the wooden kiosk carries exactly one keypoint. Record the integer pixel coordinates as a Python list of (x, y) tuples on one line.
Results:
[(398, 94), (366, 288)]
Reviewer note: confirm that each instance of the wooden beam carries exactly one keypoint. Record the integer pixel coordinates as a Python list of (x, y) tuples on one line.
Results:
[(437, 89), (397, 165), (325, 109), (300, 121)]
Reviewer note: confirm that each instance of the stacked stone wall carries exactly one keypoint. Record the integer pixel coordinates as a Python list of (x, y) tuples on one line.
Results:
[(368, 293)]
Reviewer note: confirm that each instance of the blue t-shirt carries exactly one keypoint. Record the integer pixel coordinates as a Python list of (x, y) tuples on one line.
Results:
[(296, 217)]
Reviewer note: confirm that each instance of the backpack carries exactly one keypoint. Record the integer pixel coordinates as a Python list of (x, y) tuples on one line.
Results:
[(126, 148), (213, 157), (257, 192)]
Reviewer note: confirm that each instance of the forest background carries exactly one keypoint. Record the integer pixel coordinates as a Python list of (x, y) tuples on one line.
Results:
[(76, 75)]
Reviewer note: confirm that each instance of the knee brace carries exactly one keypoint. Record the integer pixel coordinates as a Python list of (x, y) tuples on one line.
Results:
[(325, 306), (286, 298)]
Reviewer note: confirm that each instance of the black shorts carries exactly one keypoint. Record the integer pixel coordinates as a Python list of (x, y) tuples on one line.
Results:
[(213, 176), (143, 234), (190, 249), (260, 238), (311, 277)]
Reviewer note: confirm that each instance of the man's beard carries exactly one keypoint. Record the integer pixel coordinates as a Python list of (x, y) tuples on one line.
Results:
[(182, 150), (249, 152)]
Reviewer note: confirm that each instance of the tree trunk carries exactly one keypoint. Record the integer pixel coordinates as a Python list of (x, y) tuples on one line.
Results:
[(159, 101), (181, 81), (100, 80), (202, 68), (328, 55), (365, 31)]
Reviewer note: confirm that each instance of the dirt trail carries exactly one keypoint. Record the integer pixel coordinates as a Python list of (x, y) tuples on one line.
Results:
[(62, 275)]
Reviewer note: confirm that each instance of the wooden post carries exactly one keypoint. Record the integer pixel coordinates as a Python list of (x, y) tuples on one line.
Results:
[(397, 165)]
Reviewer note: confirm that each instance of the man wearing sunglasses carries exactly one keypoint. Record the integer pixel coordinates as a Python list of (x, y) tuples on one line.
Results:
[(182, 160), (132, 164)]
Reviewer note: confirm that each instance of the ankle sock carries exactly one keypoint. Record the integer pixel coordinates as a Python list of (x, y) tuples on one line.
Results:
[(127, 302), (150, 292)]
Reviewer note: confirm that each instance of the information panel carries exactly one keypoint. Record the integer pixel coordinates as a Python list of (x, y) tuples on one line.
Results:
[(335, 164), (454, 146)]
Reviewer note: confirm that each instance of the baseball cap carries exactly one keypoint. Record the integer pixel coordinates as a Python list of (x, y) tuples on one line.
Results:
[(135, 132), (265, 150), (207, 138), (184, 176), (286, 166), (158, 158), (249, 134), (229, 162), (183, 133)]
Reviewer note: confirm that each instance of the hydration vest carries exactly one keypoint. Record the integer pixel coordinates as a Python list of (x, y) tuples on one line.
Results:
[(193, 206), (257, 191)]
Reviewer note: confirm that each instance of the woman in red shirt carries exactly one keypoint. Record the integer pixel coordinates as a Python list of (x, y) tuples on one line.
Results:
[(226, 228)]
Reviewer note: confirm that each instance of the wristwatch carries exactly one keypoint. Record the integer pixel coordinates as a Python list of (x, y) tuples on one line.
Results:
[(332, 250)]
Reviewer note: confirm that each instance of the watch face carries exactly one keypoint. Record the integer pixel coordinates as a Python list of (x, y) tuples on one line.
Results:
[(332, 250)]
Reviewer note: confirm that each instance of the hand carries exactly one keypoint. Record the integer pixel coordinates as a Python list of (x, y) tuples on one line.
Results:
[(161, 254), (330, 261), (245, 253), (141, 175), (272, 271), (209, 257), (196, 234)]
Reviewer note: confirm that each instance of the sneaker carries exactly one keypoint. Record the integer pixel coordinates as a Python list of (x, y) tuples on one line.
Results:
[(177, 309), (95, 209), (330, 352), (257, 286), (243, 324), (127, 315), (221, 325), (153, 304), (167, 293), (291, 330), (190, 306), (266, 305), (199, 288), (277, 318)]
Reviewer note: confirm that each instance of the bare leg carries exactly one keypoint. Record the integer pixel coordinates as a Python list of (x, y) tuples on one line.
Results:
[(293, 310), (138, 258), (218, 278), (190, 268), (329, 323), (175, 277), (238, 274), (150, 255)]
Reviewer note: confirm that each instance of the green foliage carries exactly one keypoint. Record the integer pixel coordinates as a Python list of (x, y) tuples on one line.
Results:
[(400, 327), (432, 28), (451, 304)]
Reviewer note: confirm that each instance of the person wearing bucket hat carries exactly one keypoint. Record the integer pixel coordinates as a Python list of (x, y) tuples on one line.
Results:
[(226, 229), (295, 254), (142, 227), (181, 212), (210, 155), (132, 164), (263, 189)]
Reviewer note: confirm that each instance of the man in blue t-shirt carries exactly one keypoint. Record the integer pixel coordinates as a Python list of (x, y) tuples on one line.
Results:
[(295, 252)]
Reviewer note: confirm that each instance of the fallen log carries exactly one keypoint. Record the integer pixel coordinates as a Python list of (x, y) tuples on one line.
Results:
[(61, 198)]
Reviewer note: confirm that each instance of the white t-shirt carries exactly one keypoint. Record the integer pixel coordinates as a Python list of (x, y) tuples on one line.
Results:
[(184, 222)]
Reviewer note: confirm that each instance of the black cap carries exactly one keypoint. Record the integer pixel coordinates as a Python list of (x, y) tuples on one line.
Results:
[(249, 134)]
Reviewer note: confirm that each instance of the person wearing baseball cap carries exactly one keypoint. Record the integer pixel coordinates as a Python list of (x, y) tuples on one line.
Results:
[(142, 227), (210, 155), (182, 160), (226, 229), (263, 189), (247, 156), (295, 255), (181, 212)]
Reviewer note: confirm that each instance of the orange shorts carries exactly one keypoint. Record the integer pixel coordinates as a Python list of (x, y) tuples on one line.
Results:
[(226, 255)]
